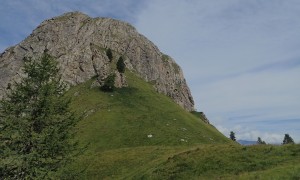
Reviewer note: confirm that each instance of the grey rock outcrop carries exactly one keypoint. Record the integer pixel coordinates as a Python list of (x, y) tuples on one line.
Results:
[(79, 44)]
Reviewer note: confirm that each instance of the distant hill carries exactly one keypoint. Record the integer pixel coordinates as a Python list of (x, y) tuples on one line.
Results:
[(245, 142)]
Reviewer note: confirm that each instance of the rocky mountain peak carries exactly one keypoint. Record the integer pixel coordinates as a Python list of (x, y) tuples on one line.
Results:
[(79, 43)]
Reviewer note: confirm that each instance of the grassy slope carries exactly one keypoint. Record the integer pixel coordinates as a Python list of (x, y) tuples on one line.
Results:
[(231, 162), (125, 117), (116, 126)]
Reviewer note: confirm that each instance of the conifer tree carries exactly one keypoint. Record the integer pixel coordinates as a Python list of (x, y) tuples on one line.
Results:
[(259, 141), (232, 136), (121, 65), (288, 139), (35, 123)]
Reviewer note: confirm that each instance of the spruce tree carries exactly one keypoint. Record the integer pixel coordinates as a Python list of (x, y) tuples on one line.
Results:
[(259, 141), (121, 65), (232, 136), (288, 139), (35, 123)]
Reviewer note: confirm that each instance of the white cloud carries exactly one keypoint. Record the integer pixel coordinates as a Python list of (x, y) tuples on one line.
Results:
[(253, 91), (270, 138), (252, 98), (225, 36), (244, 133), (236, 57)]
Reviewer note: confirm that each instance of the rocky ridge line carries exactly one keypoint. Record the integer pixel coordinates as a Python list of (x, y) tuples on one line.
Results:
[(79, 43)]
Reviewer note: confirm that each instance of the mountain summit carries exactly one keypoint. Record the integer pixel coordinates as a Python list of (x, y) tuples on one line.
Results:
[(79, 43)]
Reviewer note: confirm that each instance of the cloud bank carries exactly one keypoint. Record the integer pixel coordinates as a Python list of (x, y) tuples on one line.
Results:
[(240, 58)]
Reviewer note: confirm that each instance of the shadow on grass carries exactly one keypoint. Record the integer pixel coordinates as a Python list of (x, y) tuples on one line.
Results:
[(127, 91)]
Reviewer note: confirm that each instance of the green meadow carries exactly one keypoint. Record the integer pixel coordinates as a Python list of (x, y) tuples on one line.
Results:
[(137, 133)]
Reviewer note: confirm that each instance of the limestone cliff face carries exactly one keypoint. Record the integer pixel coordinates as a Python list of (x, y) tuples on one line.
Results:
[(79, 43)]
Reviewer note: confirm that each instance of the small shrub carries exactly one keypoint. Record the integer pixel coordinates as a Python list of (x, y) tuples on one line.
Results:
[(109, 54), (109, 83), (121, 65), (165, 58)]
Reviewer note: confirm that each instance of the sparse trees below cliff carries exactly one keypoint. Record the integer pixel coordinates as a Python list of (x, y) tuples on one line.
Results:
[(109, 82)]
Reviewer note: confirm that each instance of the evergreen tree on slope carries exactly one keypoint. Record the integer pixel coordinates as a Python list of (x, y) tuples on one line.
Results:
[(232, 136), (288, 139), (35, 123)]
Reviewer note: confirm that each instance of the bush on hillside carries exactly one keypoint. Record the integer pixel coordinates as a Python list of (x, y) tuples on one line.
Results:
[(109, 54), (109, 83), (121, 65)]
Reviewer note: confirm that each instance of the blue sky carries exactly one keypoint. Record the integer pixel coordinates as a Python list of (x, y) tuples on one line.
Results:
[(241, 58)]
